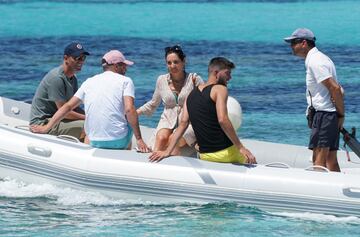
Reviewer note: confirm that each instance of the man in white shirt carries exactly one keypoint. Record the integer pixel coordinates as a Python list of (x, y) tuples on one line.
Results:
[(324, 94), (109, 106)]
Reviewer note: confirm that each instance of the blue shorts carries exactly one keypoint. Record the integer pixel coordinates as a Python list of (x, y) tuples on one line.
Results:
[(122, 143), (325, 131)]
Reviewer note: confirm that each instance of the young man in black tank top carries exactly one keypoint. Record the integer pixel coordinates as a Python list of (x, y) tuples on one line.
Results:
[(206, 109)]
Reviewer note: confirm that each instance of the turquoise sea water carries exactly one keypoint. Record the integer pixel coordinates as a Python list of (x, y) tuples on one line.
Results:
[(268, 82)]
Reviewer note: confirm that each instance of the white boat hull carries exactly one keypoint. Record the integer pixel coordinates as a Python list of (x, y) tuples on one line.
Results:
[(36, 158)]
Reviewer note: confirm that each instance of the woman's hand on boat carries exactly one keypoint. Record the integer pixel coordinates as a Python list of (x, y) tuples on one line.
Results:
[(157, 156), (142, 147), (249, 157), (39, 128)]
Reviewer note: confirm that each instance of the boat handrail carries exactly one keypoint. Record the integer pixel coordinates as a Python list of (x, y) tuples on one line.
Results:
[(23, 127), (68, 138), (278, 165), (317, 168)]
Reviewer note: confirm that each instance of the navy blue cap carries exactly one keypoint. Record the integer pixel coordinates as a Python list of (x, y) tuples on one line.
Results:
[(75, 49)]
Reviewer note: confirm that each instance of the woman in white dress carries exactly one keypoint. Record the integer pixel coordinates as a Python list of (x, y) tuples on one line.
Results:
[(172, 89)]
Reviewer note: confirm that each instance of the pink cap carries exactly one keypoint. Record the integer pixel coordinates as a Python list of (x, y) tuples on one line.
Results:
[(115, 56)]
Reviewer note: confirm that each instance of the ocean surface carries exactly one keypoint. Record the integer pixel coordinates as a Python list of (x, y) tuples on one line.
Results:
[(268, 81)]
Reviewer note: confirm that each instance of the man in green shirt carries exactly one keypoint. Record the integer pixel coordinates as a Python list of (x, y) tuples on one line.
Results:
[(55, 89)]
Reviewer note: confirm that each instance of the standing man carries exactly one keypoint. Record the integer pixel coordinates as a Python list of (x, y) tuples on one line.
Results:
[(109, 106), (325, 94), (55, 89), (206, 109)]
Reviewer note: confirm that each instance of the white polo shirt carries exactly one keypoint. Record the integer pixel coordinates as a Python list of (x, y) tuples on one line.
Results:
[(319, 67), (103, 97)]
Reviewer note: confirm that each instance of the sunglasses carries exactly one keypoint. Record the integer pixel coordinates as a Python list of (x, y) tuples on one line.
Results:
[(296, 41), (121, 64), (175, 48), (80, 58)]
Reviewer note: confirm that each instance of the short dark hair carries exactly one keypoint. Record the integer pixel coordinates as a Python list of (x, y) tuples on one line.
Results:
[(310, 43), (220, 63)]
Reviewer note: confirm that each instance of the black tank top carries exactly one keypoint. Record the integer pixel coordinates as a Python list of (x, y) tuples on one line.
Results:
[(203, 118)]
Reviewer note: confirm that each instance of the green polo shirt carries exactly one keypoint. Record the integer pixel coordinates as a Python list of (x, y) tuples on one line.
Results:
[(55, 86)]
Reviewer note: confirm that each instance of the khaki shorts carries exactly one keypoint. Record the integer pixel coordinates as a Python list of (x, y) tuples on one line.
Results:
[(68, 127)]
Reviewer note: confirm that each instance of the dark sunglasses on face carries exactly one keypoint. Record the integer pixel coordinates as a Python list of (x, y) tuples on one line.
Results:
[(296, 41), (121, 64), (80, 58)]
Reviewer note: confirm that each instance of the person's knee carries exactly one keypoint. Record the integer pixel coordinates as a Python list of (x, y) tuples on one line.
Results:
[(162, 137)]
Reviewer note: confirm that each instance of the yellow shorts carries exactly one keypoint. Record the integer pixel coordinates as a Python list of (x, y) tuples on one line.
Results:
[(228, 155)]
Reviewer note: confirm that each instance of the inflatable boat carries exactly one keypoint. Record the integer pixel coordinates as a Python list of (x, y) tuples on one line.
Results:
[(284, 179)]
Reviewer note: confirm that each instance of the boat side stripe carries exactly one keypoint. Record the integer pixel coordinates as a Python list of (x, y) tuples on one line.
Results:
[(201, 171)]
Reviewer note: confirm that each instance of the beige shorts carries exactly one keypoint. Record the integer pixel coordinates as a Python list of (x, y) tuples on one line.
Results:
[(68, 127)]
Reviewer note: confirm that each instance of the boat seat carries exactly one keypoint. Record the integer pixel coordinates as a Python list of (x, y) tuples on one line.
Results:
[(278, 165), (317, 168), (68, 138)]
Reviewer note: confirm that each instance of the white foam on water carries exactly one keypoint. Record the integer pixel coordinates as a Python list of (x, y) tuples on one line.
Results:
[(13, 188), (320, 217), (17, 189)]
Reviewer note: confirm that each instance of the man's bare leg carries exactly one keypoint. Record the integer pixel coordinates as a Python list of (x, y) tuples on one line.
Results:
[(320, 155), (331, 162)]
